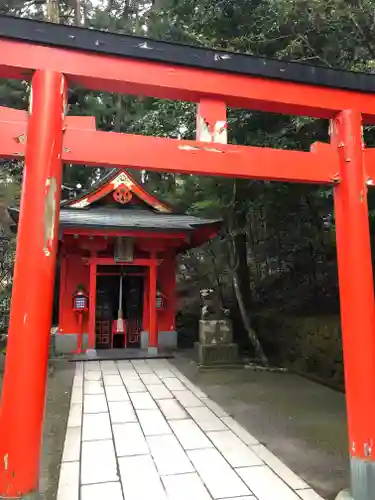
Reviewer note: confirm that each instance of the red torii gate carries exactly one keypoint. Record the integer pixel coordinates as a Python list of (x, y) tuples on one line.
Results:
[(53, 56)]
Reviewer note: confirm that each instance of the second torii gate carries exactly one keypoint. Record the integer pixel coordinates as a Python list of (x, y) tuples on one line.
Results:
[(54, 56)]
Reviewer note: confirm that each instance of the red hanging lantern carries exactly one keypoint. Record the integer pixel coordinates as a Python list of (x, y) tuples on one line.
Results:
[(80, 300)]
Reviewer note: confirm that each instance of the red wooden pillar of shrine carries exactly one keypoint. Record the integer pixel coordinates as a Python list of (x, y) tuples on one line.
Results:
[(24, 387), (153, 322), (92, 303), (357, 300)]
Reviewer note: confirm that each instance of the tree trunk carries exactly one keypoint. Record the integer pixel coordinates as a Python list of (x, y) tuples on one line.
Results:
[(246, 322), (240, 243), (240, 269), (216, 275), (78, 13)]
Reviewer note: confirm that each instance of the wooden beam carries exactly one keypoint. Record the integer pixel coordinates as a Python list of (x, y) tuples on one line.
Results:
[(192, 157), (131, 234), (111, 73), (110, 261), (86, 146), (369, 161)]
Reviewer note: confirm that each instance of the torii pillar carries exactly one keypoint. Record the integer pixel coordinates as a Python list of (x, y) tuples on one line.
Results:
[(356, 299), (24, 386)]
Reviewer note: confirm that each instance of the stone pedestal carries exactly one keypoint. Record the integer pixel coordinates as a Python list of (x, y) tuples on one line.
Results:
[(215, 346), (213, 332)]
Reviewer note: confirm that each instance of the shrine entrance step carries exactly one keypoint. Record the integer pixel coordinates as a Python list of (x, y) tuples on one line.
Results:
[(119, 354)]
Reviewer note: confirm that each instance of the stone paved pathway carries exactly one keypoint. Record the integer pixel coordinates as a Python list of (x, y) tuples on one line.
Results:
[(141, 430)]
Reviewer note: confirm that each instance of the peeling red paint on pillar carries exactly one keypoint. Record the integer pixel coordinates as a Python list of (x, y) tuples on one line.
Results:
[(212, 121), (49, 215), (356, 285), (24, 387)]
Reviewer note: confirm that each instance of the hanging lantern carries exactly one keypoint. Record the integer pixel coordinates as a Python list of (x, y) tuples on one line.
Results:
[(80, 300), (124, 249)]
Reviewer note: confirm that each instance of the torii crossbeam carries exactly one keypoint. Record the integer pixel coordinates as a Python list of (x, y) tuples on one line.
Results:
[(53, 57)]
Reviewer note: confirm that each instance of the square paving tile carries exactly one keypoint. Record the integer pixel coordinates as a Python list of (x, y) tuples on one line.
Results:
[(77, 395), (140, 479), (159, 392), (158, 364), (75, 415), (129, 440), (92, 366), (68, 488), (134, 386), (112, 380), (241, 498), (142, 401), (219, 477), (309, 494), (190, 435), (78, 381), (121, 412), (109, 367), (129, 374), (72, 445), (174, 384), (95, 403), (171, 409), (277, 466), (123, 363), (265, 484), (186, 487), (98, 462), (163, 373), (168, 455), (116, 393), (141, 366), (96, 426), (79, 367), (233, 449), (218, 410), (150, 378), (93, 376), (108, 491), (206, 419), (187, 399), (153, 423), (93, 387)]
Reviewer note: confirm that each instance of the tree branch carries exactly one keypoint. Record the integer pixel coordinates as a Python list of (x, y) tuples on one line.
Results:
[(364, 36)]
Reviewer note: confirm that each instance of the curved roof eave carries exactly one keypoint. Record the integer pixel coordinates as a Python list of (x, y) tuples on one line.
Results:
[(111, 176)]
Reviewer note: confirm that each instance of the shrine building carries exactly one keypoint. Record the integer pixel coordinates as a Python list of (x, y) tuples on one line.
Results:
[(118, 244)]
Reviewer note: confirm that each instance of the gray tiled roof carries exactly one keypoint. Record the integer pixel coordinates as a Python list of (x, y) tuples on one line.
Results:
[(129, 219), (125, 219)]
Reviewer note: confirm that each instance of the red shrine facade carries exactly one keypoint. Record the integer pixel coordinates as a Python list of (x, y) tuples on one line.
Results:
[(119, 236)]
